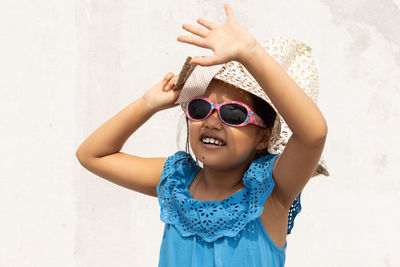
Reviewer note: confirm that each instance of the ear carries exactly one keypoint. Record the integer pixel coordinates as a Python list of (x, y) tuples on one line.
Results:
[(264, 138)]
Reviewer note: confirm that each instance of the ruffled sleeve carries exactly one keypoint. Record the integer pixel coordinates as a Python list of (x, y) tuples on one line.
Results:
[(177, 170), (211, 220)]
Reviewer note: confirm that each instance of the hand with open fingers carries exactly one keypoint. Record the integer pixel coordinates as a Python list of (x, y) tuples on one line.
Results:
[(229, 41), (161, 96)]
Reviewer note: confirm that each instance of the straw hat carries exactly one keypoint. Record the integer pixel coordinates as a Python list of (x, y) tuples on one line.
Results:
[(293, 56)]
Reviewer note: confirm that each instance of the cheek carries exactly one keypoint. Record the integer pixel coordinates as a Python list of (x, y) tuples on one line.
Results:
[(194, 131), (245, 138)]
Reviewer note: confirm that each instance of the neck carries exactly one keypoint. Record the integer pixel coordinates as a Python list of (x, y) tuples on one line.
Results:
[(217, 181)]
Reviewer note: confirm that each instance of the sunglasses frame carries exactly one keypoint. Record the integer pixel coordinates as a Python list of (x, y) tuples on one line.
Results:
[(252, 117)]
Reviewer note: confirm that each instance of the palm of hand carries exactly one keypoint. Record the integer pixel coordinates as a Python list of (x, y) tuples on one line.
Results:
[(229, 41)]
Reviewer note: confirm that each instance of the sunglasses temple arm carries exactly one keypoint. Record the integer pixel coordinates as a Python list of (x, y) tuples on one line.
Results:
[(258, 121)]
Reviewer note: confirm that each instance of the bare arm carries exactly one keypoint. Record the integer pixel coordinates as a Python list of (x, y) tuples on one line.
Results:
[(298, 110), (100, 152), (230, 41), (295, 166), (110, 137)]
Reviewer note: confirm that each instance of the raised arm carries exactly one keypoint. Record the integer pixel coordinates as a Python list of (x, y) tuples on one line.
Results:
[(100, 152), (295, 166), (230, 41)]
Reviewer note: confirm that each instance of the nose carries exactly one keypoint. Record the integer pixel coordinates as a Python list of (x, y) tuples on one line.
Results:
[(213, 121)]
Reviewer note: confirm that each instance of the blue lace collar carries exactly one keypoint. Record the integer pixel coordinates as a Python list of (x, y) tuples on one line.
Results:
[(211, 220)]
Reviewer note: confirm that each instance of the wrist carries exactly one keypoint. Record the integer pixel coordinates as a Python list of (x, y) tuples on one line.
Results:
[(150, 108), (247, 56)]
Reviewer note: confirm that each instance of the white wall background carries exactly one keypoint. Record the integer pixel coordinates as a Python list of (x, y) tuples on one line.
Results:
[(68, 66)]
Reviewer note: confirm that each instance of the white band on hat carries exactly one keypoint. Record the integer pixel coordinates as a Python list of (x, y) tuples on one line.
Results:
[(197, 82)]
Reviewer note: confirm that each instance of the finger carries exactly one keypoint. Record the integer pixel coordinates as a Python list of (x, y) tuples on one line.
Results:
[(167, 77), (172, 82), (193, 40), (228, 11), (206, 61), (208, 24), (195, 30)]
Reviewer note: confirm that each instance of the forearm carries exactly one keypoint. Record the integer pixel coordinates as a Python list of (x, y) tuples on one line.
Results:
[(110, 137), (297, 109)]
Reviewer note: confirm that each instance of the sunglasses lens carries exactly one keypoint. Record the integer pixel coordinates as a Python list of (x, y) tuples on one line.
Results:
[(199, 109), (233, 113)]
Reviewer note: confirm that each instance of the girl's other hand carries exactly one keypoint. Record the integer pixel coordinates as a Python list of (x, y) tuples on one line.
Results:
[(161, 96), (229, 41)]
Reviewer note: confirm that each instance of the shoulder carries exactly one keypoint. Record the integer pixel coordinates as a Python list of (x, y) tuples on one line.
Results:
[(179, 159), (176, 169), (258, 179), (262, 174), (264, 166), (179, 155), (271, 161), (267, 160)]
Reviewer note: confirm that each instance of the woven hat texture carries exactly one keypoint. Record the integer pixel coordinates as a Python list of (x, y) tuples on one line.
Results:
[(292, 55)]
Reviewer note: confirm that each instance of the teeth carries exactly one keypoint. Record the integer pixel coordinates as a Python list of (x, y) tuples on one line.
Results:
[(212, 141)]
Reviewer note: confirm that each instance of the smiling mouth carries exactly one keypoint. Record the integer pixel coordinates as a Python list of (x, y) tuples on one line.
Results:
[(210, 141), (211, 146)]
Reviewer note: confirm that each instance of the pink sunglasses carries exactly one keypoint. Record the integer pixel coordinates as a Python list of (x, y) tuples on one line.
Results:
[(232, 113)]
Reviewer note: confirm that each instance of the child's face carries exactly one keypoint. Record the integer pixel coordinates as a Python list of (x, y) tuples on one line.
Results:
[(240, 142)]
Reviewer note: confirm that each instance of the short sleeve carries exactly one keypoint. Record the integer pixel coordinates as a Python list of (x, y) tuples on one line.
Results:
[(178, 162), (176, 171)]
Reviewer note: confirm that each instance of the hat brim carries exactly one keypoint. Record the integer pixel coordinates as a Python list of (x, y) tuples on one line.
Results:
[(293, 56)]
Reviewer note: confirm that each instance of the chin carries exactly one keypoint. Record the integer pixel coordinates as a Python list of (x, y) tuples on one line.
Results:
[(210, 158)]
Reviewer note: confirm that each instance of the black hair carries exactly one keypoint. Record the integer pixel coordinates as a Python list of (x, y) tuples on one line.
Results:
[(267, 114), (261, 108)]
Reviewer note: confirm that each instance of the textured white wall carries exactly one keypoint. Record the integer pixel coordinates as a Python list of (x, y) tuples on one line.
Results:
[(68, 66)]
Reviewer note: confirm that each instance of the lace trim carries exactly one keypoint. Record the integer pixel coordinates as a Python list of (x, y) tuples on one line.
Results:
[(211, 220)]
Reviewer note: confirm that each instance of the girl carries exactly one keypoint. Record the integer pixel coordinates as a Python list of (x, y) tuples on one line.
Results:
[(234, 210)]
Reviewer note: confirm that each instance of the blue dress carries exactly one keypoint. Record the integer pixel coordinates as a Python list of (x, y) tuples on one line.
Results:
[(217, 233)]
